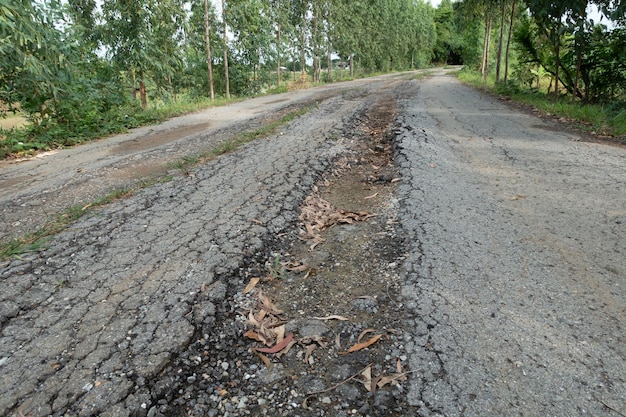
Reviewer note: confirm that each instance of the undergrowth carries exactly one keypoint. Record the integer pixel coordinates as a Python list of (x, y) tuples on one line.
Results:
[(603, 119)]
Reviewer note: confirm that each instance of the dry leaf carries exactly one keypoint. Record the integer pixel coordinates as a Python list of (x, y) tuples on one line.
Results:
[(251, 285), (364, 332), (278, 347), (251, 334), (394, 180), (518, 197), (391, 378), (333, 317), (286, 349), (257, 221), (338, 341), (280, 333), (360, 346), (309, 350), (370, 196), (367, 378), (298, 268), (310, 272), (266, 361)]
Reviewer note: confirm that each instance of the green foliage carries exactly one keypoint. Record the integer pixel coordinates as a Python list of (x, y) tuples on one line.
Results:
[(603, 119)]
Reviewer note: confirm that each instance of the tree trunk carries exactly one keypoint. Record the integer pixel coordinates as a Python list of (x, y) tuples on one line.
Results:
[(352, 65), (500, 40), (142, 91), (508, 42), (133, 82), (278, 57), (557, 49), (207, 40), (225, 51), (484, 69), (303, 47), (330, 61)]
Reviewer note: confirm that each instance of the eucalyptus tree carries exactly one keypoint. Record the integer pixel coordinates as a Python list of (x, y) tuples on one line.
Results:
[(35, 60), (207, 41), (225, 46), (141, 37)]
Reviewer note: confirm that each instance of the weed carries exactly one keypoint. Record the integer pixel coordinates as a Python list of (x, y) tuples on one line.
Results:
[(275, 270)]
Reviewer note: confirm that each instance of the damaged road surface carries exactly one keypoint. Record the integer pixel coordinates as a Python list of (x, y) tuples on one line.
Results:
[(408, 247)]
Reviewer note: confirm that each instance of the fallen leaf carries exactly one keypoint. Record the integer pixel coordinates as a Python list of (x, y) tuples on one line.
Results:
[(310, 272), (367, 378), (257, 221), (360, 346), (280, 333), (394, 180), (370, 196), (333, 317), (390, 378), (517, 197), (298, 268), (309, 350), (251, 334), (286, 349), (364, 332), (278, 347), (251, 285), (266, 361), (338, 341)]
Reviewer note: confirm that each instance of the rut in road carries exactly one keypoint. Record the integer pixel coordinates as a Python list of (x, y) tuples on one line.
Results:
[(89, 323)]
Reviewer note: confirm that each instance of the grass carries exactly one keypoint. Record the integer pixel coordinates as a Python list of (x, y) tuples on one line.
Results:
[(608, 120), (37, 240)]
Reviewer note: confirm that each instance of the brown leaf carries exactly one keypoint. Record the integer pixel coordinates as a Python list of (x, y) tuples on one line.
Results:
[(280, 333), (360, 346), (298, 268), (367, 378), (278, 347), (257, 221), (517, 197), (251, 334), (391, 378), (251, 285), (370, 196), (286, 349), (364, 332), (309, 350), (310, 272), (266, 361), (332, 317)]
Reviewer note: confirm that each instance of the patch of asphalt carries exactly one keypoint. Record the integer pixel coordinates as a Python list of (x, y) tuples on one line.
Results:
[(88, 323), (515, 278)]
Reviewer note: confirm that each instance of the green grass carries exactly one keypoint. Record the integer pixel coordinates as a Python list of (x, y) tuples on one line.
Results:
[(35, 241), (594, 118)]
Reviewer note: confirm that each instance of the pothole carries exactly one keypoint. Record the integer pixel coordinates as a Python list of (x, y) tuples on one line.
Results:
[(318, 332)]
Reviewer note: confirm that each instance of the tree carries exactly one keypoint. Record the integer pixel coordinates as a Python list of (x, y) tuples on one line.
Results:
[(207, 40)]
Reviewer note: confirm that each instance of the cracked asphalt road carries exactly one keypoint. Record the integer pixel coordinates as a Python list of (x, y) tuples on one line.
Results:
[(517, 272), (514, 285)]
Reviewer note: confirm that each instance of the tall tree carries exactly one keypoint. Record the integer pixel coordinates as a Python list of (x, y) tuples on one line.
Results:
[(207, 41), (226, 78)]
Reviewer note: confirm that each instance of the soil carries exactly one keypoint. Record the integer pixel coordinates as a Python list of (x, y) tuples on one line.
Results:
[(345, 291)]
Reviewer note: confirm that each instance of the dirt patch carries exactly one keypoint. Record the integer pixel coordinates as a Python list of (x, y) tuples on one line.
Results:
[(154, 140), (316, 334)]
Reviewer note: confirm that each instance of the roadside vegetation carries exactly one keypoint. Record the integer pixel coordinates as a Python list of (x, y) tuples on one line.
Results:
[(76, 70)]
